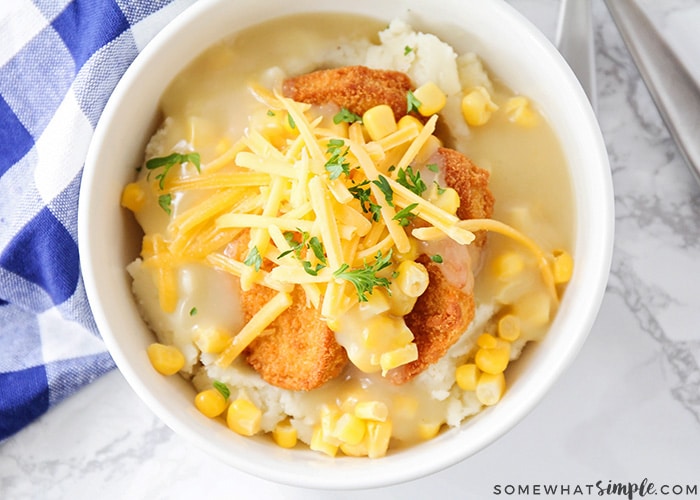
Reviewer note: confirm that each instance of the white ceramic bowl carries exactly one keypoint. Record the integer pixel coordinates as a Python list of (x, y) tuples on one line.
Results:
[(109, 239)]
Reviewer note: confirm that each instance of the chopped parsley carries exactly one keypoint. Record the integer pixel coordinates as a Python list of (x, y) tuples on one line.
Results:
[(313, 271), (412, 103), (193, 311), (165, 201), (337, 164), (222, 388), (437, 258), (345, 115), (254, 259), (167, 162), (440, 189), (363, 195), (316, 247), (433, 167), (405, 215), (410, 179), (270, 112), (365, 278), (407, 50), (313, 244), (290, 120), (383, 184)]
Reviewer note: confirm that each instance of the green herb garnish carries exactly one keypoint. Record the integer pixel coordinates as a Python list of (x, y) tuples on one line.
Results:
[(337, 164), (437, 258), (165, 201), (440, 190), (222, 388), (317, 248), (410, 179), (270, 112), (365, 278), (412, 102), (383, 184), (363, 195), (193, 311), (405, 215), (433, 167), (290, 120), (313, 271), (254, 259), (345, 115), (407, 50), (167, 162)]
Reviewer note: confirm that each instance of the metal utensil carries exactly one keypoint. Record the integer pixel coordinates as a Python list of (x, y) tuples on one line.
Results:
[(574, 39), (674, 91)]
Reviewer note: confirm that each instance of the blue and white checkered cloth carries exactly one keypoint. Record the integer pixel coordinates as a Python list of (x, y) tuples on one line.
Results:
[(59, 62)]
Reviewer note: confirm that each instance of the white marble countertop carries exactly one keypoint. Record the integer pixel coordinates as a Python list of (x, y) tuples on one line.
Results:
[(627, 409)]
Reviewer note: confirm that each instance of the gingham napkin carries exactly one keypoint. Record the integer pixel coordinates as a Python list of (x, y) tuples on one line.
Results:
[(59, 62)]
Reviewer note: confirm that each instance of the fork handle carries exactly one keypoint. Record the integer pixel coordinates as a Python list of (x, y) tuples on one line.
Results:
[(674, 91)]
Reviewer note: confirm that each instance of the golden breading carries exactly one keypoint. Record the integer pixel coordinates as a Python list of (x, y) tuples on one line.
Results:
[(356, 88), (438, 319), (298, 351), (443, 312), (472, 184)]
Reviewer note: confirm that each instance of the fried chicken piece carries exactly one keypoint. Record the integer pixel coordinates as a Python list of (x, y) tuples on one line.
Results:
[(297, 351), (472, 185), (444, 311), (356, 88)]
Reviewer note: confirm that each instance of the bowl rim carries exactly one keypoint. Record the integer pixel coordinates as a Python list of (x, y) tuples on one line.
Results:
[(394, 468)]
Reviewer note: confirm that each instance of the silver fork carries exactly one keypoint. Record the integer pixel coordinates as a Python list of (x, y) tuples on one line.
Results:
[(673, 89), (575, 41)]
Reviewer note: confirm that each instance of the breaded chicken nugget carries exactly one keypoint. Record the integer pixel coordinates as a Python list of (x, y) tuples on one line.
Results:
[(356, 88), (444, 311), (297, 351)]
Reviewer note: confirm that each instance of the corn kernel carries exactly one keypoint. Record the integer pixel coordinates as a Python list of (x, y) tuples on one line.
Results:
[(377, 303), (244, 417), (562, 267), (133, 197), (428, 430), (398, 357), (448, 200), (372, 410), (379, 122), (329, 419), (166, 359), (520, 112), (356, 450), (350, 429), (477, 107), (318, 443), (375, 331), (487, 341), (412, 278), (409, 121), (493, 360), (467, 376), (509, 327), (211, 340), (285, 435), (490, 388), (507, 265), (210, 402), (400, 303), (432, 99), (379, 436)]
